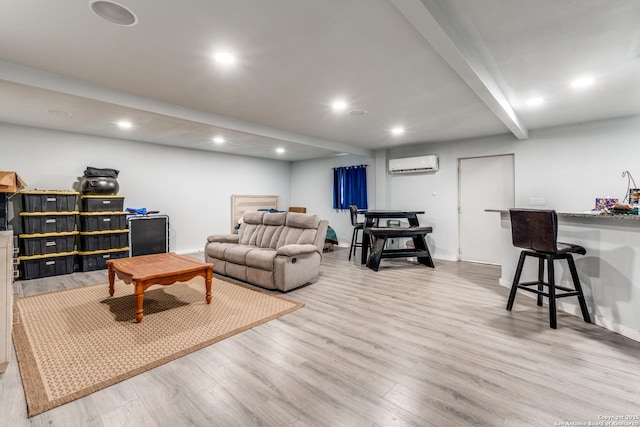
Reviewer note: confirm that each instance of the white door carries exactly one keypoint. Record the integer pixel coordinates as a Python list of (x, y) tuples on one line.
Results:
[(484, 183)]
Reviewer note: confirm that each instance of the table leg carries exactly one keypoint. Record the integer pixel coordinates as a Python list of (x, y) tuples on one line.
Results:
[(420, 244), (112, 278), (139, 293), (207, 283), (366, 240), (365, 246), (373, 262)]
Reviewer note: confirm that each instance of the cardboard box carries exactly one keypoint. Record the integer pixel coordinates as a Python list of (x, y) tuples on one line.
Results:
[(10, 182)]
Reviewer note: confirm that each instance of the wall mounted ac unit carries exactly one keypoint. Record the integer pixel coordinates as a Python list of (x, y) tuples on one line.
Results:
[(414, 165)]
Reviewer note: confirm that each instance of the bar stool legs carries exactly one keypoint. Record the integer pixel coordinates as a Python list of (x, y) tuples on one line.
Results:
[(538, 287), (576, 283), (354, 241)]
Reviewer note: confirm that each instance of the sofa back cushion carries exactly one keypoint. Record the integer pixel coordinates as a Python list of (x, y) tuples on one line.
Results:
[(299, 229), (261, 229), (251, 221)]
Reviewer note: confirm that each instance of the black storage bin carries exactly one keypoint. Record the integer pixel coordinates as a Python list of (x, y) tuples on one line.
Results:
[(101, 203), (48, 222), (97, 260), (49, 201), (33, 267), (100, 221), (102, 240), (42, 244)]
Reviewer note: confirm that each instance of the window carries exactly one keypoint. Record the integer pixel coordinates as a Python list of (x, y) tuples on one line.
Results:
[(350, 187)]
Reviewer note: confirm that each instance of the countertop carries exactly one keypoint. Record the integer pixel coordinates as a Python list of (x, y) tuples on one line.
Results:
[(603, 216)]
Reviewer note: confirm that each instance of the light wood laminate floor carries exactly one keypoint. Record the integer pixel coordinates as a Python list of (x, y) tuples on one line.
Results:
[(408, 345)]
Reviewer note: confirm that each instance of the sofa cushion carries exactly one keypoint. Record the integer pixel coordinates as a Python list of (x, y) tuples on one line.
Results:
[(268, 235), (261, 258), (300, 229), (237, 254), (251, 224), (248, 232), (274, 218), (300, 220), (296, 236), (252, 217), (217, 249)]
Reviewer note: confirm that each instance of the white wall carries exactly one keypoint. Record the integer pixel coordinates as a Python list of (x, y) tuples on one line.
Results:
[(193, 187), (568, 166)]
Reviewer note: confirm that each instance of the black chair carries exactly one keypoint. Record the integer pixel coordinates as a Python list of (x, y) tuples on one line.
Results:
[(536, 231), (357, 226)]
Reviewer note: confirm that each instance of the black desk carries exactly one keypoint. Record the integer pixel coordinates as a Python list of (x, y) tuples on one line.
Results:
[(371, 217)]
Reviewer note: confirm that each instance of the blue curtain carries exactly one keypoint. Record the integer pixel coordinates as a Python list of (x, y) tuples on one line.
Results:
[(350, 187)]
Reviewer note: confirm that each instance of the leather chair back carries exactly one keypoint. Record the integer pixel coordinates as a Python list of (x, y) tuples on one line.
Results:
[(534, 229), (353, 210)]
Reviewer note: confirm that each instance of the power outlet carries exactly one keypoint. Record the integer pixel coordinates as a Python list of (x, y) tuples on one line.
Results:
[(536, 201)]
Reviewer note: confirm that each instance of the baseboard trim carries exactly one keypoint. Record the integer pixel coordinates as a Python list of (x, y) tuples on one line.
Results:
[(190, 252)]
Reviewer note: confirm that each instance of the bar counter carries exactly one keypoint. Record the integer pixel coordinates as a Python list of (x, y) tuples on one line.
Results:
[(609, 272)]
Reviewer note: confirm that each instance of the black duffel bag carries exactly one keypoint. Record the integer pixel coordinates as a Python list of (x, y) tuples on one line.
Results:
[(91, 172)]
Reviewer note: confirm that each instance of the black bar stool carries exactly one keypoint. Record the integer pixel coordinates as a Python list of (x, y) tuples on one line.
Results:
[(536, 231), (357, 226)]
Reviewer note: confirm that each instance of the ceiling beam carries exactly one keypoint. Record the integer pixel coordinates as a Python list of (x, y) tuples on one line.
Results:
[(436, 28), (58, 83)]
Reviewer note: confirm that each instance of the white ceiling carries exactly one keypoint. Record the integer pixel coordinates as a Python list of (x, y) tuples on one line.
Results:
[(443, 69)]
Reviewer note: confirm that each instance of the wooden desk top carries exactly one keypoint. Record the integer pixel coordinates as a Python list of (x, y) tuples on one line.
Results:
[(146, 267), (389, 213)]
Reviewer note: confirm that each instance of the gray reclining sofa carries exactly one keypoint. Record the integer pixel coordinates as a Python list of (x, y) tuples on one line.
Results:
[(279, 250)]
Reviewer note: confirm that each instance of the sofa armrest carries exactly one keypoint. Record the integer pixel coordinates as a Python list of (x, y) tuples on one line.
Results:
[(223, 238), (293, 250)]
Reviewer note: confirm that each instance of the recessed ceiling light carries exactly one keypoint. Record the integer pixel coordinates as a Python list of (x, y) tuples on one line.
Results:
[(218, 139), (224, 58), (582, 82), (397, 130), (535, 101), (125, 124), (113, 13), (339, 105), (280, 150)]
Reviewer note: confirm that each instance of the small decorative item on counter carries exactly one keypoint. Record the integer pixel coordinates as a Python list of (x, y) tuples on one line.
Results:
[(605, 203), (632, 194), (623, 208)]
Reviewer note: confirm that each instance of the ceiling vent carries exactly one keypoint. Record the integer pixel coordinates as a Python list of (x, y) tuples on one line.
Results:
[(113, 13)]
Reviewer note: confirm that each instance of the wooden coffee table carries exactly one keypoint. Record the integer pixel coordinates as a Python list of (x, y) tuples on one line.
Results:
[(157, 269)]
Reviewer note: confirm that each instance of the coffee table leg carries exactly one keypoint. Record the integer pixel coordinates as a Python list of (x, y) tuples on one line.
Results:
[(207, 283), (112, 277), (139, 293)]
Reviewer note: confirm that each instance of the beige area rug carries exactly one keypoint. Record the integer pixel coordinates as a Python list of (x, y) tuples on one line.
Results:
[(72, 343)]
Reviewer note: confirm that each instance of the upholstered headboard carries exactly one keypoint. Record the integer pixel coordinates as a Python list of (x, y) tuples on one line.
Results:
[(241, 203)]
